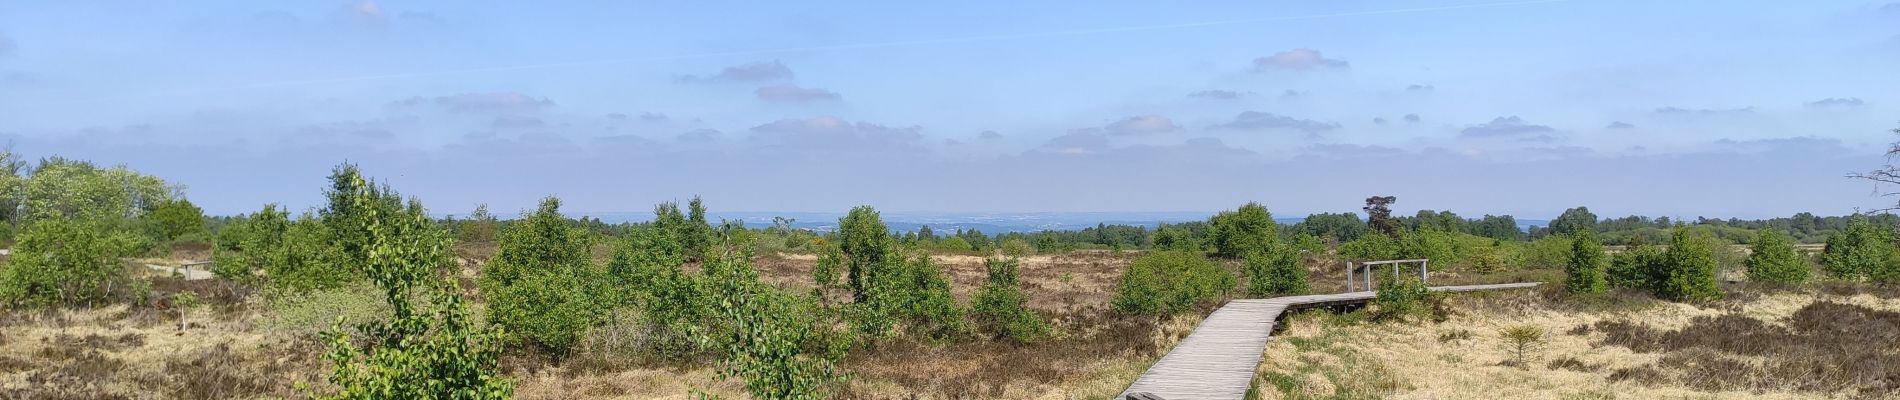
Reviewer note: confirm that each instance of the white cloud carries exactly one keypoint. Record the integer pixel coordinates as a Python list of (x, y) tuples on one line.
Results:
[(1298, 59), (795, 94), (1141, 125)]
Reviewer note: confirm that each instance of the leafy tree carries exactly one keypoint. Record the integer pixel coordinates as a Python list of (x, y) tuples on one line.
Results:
[(1172, 238), (1399, 297), (539, 278), (1247, 230), (60, 187), (957, 244), (1690, 275), (479, 227), (431, 350), (1167, 282), (770, 339), (1001, 308), (1772, 258), (1498, 227), (1371, 247), (1379, 215), (1639, 267), (1585, 273), (1276, 272), (1860, 251), (865, 241), (1344, 227), (1574, 220), (698, 233), (61, 260), (176, 218)]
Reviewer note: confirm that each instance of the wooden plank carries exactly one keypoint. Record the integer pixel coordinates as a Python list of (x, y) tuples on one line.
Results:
[(1218, 359)]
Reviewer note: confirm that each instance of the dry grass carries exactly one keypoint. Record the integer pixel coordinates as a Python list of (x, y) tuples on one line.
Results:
[(1788, 344)]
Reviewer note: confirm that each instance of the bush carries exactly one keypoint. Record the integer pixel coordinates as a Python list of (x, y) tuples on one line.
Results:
[(1772, 258), (1690, 275), (1584, 273), (1862, 251), (1371, 248), (1399, 297), (1638, 267), (956, 244), (770, 339), (1244, 231), (432, 350), (1000, 307), (864, 241), (306, 313), (1167, 282), (1275, 273), (59, 260), (1547, 252), (540, 281), (174, 219)]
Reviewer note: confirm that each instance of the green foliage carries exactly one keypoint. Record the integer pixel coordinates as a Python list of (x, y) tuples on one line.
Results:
[(1371, 247), (1772, 258), (1247, 230), (1690, 271), (174, 219), (1574, 220), (307, 313), (291, 255), (1001, 308), (540, 281), (1546, 252), (770, 339), (1167, 282), (1015, 247), (955, 244), (1638, 267), (1441, 247), (1585, 273), (1523, 341), (865, 241), (1172, 238), (479, 227), (1399, 297), (1862, 251), (60, 187), (432, 350), (61, 260), (1344, 227), (914, 290), (1274, 273)]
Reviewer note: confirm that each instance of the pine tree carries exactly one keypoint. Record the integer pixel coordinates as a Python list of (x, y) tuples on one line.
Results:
[(1772, 258)]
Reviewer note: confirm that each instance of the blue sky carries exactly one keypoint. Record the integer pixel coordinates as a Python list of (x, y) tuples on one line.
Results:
[(1681, 108)]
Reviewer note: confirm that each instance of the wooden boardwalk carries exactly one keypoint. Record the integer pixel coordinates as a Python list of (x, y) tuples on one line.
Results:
[(1217, 361)]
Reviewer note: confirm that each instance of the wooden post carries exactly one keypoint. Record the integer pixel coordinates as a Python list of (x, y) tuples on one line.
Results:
[(1423, 272), (1349, 277)]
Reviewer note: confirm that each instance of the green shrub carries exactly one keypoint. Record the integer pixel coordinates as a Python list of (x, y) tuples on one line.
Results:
[(1547, 252), (174, 219), (1247, 230), (1585, 273), (1167, 282), (1638, 267), (540, 283), (1690, 273), (306, 313), (1772, 258), (956, 244), (864, 241), (1275, 273), (1862, 251), (1371, 248), (1399, 297), (431, 350), (770, 339), (59, 260), (1000, 307), (918, 292)]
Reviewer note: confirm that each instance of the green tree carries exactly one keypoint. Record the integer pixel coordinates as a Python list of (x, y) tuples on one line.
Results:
[(770, 339), (1247, 230), (1371, 247), (430, 349), (1274, 273), (1690, 275), (1860, 251), (1344, 227), (176, 218), (538, 282), (1574, 220), (1772, 258), (865, 241), (61, 260), (1001, 308), (1379, 215), (479, 227), (956, 244), (1166, 282), (1585, 272), (1639, 267)]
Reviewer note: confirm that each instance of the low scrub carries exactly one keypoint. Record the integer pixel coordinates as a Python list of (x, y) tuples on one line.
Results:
[(1169, 282)]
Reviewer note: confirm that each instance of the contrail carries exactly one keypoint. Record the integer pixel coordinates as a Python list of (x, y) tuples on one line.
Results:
[(872, 45)]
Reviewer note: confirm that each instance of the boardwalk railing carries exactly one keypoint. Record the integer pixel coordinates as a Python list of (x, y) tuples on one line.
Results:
[(1218, 359)]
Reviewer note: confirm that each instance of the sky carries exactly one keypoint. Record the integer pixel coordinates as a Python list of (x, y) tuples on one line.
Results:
[(1665, 108)]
